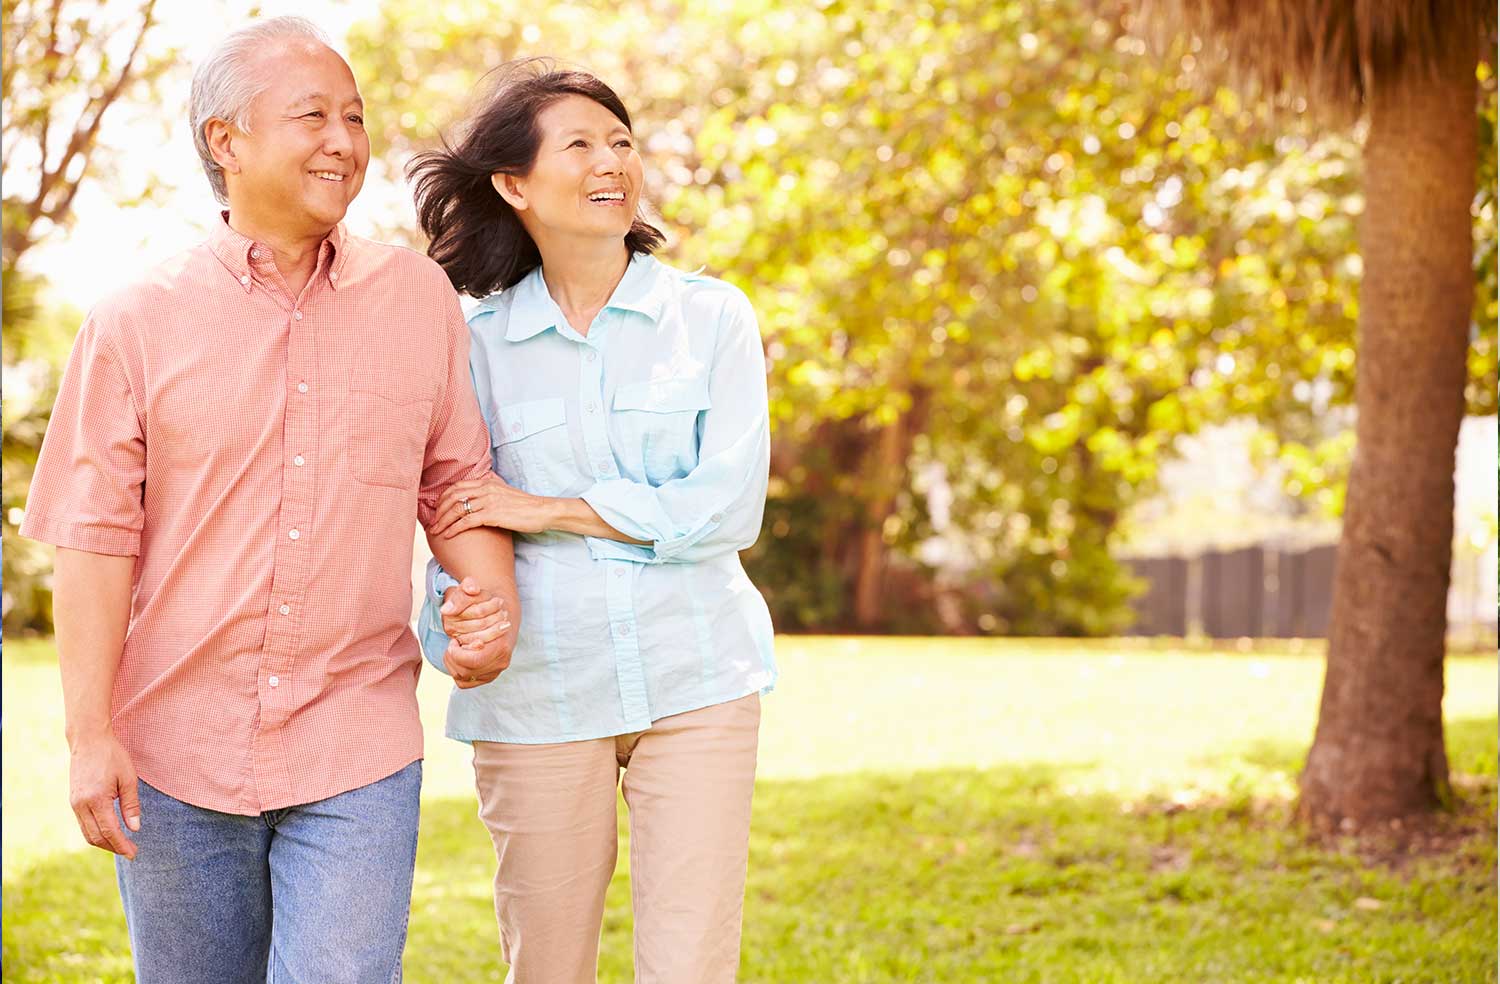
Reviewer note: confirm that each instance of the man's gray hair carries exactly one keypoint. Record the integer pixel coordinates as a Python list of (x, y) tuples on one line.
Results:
[(226, 83)]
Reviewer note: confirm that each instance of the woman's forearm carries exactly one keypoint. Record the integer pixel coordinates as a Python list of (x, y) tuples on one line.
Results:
[(576, 516)]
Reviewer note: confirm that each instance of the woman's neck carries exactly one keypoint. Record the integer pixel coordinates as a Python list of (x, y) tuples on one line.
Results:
[(581, 280)]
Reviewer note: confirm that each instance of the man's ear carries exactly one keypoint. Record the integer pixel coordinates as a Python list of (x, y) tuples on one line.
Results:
[(510, 189), (220, 137)]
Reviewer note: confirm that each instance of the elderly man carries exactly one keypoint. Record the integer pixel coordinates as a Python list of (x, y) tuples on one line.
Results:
[(266, 414)]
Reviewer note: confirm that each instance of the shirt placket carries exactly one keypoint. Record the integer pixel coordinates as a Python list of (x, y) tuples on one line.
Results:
[(619, 575), (276, 683)]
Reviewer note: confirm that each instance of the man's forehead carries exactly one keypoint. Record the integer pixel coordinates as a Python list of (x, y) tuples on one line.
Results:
[(301, 73)]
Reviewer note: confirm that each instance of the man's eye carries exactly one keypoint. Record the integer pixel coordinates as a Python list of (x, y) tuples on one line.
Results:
[(356, 119), (315, 114)]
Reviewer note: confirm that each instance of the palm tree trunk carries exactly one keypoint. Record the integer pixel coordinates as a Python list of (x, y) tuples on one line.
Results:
[(1378, 752)]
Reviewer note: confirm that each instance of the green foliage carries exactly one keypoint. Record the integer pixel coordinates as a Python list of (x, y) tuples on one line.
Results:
[(1028, 827), (1003, 256)]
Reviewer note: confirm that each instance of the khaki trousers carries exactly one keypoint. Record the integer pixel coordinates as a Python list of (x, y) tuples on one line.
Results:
[(550, 810)]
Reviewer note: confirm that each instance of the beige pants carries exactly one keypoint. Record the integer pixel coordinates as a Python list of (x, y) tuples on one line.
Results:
[(550, 810)]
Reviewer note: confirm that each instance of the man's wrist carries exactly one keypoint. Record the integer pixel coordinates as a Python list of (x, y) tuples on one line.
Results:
[(86, 733)]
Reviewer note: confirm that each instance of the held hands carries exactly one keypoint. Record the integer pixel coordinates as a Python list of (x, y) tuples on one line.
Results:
[(489, 501), (477, 624), (99, 772)]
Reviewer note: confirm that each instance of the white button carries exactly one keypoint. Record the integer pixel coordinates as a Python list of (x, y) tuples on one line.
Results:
[(619, 572), (285, 609), (294, 534), (256, 253), (245, 279), (297, 315), (716, 517), (624, 630), (591, 408), (275, 681), (605, 466), (298, 461), (301, 387), (515, 428), (333, 277), (592, 356)]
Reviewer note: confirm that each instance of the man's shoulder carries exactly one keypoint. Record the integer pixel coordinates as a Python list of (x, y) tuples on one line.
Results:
[(175, 283), (393, 259)]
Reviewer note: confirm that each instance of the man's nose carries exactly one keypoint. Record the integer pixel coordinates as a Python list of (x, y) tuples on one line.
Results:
[(336, 139)]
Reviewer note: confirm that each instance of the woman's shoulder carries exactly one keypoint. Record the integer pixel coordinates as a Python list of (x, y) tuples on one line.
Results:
[(704, 293)]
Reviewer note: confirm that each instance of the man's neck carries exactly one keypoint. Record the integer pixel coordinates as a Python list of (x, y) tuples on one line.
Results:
[(582, 276), (295, 254)]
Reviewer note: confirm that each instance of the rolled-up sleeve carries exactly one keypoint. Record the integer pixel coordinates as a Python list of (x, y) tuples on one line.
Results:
[(458, 446), (86, 490), (716, 508)]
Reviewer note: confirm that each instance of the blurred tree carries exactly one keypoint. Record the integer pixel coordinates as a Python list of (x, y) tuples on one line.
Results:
[(1411, 67), (66, 64), (1002, 255)]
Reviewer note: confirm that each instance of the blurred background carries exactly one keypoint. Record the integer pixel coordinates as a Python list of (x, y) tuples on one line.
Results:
[(1060, 327), (1061, 334)]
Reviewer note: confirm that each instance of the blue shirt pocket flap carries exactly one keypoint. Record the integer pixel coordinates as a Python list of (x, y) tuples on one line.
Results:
[(515, 421), (665, 395)]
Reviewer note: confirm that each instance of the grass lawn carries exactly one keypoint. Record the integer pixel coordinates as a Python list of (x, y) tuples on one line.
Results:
[(940, 811)]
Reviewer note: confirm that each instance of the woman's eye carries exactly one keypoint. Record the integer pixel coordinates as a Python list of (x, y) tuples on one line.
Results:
[(356, 119), (578, 143), (623, 143)]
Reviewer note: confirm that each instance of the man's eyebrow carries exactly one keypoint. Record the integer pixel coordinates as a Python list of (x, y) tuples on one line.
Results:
[(321, 96)]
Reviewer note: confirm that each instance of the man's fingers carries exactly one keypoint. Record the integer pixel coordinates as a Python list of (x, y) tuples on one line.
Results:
[(113, 839), (87, 825), (130, 803), (485, 636)]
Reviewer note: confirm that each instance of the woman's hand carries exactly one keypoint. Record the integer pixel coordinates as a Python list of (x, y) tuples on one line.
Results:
[(489, 501)]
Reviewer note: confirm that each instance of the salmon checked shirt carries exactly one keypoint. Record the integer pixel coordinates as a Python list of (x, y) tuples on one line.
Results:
[(265, 458)]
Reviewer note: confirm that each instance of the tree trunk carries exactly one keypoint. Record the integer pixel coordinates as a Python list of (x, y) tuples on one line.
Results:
[(1378, 752)]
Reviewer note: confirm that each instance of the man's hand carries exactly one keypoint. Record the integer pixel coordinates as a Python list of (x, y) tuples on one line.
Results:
[(99, 772), (478, 626)]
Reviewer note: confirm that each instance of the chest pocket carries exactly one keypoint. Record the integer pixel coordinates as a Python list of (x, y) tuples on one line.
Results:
[(531, 446), (658, 420), (388, 437)]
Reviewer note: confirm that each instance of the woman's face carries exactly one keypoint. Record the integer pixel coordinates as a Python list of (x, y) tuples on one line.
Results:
[(586, 180)]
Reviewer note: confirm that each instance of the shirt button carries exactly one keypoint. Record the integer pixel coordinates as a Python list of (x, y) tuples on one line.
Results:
[(301, 387), (334, 277), (591, 408), (592, 356), (716, 517), (285, 609), (619, 572), (606, 467), (298, 461), (257, 254), (275, 681), (294, 534), (515, 428), (624, 630), (245, 279), (297, 315)]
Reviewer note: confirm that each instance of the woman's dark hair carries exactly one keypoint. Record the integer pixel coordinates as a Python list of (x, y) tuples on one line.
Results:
[(473, 233)]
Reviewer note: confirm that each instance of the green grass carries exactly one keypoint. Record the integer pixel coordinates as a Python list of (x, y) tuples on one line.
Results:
[(938, 811)]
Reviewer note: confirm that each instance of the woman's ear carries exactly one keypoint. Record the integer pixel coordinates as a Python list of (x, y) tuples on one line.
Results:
[(220, 137), (510, 189)]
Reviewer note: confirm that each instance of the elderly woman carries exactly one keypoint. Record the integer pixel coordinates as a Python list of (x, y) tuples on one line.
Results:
[(626, 404)]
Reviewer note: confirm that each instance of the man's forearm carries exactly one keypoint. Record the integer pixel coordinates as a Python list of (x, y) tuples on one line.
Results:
[(488, 556), (91, 610)]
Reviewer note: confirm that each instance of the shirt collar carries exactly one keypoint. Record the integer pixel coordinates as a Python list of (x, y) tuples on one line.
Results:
[(533, 311), (246, 258)]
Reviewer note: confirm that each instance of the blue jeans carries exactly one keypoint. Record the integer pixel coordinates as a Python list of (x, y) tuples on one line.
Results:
[(310, 894)]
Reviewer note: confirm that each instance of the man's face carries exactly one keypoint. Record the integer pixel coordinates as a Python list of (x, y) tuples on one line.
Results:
[(304, 159)]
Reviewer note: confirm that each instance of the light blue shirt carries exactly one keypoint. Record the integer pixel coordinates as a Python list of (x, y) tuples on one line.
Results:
[(658, 420)]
